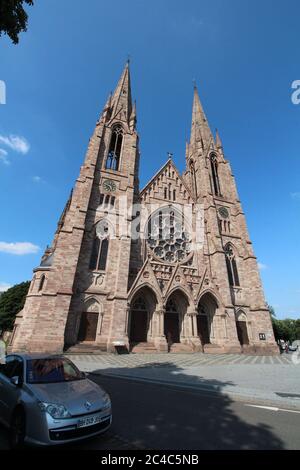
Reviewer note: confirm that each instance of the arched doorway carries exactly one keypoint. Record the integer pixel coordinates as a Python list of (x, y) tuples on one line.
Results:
[(206, 310), (176, 308), (141, 310), (241, 327), (171, 323), (138, 321), (89, 321)]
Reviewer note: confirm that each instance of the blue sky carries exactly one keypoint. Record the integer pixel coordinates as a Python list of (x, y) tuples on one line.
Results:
[(244, 56)]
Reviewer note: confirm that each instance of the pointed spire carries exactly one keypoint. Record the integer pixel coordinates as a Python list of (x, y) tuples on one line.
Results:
[(106, 110), (200, 131), (218, 140), (187, 149), (132, 121), (121, 100), (108, 102)]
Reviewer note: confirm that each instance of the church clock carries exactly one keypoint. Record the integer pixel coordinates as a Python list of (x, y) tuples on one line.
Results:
[(109, 185)]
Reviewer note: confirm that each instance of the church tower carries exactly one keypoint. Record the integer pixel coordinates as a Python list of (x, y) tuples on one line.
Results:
[(84, 273), (227, 249)]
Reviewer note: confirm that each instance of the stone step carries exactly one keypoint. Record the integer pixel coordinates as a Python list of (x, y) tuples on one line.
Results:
[(181, 348), (82, 348), (143, 348)]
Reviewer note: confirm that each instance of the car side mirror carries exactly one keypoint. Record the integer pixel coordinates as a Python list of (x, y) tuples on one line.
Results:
[(16, 381)]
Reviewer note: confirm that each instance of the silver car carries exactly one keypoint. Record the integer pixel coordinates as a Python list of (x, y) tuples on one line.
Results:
[(46, 400)]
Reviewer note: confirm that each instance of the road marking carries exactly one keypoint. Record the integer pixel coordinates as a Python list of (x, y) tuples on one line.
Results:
[(272, 408)]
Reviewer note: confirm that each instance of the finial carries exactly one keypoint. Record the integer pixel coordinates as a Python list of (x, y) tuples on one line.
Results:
[(170, 155), (128, 59), (194, 83)]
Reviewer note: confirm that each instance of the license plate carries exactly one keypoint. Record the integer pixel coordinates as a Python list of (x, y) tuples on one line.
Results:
[(89, 421)]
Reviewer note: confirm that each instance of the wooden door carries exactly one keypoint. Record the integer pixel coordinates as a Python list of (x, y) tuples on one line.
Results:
[(88, 326), (203, 330), (172, 327), (242, 332), (138, 326)]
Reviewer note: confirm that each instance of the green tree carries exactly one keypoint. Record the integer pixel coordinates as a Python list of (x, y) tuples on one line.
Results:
[(287, 329), (11, 302), (13, 18)]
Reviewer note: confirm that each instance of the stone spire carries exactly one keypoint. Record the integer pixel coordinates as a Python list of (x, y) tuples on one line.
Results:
[(200, 131), (121, 103), (132, 120)]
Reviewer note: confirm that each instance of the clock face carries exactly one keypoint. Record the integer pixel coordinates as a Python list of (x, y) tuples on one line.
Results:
[(223, 211), (109, 185)]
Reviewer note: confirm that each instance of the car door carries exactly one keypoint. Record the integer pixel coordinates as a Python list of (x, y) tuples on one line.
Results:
[(10, 393)]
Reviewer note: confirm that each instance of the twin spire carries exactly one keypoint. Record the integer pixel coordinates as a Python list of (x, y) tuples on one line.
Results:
[(200, 130), (120, 105)]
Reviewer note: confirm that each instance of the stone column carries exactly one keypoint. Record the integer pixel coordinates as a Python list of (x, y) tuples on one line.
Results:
[(159, 337), (127, 321), (192, 333)]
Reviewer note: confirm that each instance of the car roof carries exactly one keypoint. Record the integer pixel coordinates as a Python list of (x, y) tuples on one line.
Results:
[(28, 356)]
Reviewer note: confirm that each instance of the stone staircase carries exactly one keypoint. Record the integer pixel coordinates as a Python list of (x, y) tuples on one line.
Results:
[(85, 348), (181, 348), (138, 348)]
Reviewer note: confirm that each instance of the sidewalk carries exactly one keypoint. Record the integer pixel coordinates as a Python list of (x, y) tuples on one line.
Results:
[(246, 378)]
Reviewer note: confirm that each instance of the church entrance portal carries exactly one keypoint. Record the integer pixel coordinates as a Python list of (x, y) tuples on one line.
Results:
[(171, 324), (141, 311), (88, 326), (203, 328)]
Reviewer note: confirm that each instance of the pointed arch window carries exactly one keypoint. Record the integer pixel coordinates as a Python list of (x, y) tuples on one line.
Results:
[(99, 254), (232, 270), (100, 251), (193, 177), (42, 282), (115, 147), (215, 176)]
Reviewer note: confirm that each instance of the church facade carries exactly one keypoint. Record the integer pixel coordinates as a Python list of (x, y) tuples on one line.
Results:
[(169, 267)]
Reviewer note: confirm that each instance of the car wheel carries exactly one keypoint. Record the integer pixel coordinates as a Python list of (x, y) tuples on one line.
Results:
[(17, 430)]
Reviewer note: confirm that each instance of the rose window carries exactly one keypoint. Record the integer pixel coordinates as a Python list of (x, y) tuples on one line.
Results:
[(168, 237)]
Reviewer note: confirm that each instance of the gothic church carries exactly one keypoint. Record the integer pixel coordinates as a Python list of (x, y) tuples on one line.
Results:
[(166, 268)]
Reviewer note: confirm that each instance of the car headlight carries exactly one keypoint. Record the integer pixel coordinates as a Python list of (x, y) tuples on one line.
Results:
[(106, 401), (55, 410)]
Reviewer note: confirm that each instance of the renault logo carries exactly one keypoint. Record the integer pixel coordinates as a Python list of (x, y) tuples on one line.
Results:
[(88, 405)]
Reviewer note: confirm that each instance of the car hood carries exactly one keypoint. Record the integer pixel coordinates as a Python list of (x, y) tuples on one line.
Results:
[(73, 395)]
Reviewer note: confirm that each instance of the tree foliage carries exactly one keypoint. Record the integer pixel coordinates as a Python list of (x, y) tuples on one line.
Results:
[(287, 329), (13, 18), (11, 302)]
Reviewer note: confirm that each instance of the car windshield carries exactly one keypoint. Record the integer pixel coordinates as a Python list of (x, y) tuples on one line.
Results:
[(51, 370)]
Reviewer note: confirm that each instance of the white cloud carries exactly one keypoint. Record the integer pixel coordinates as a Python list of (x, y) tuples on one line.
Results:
[(3, 157), (295, 195), (4, 286), (262, 266), (18, 248), (37, 179), (17, 143)]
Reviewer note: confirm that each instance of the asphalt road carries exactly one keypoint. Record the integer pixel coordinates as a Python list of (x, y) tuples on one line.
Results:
[(148, 416)]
